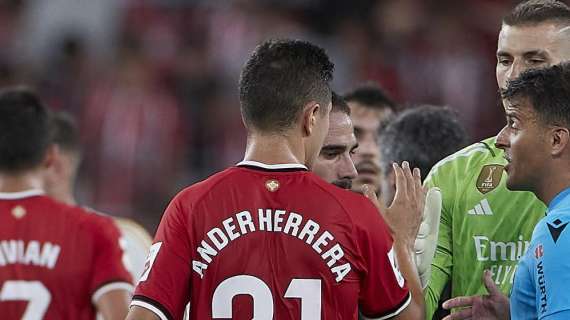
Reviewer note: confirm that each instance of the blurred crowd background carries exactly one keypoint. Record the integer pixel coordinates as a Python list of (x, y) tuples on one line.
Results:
[(153, 84)]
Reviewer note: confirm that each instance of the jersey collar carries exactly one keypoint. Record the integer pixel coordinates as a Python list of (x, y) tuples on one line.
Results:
[(21, 194), (272, 167), (561, 199)]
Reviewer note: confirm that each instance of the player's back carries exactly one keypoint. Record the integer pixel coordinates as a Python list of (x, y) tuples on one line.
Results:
[(54, 259), (272, 244)]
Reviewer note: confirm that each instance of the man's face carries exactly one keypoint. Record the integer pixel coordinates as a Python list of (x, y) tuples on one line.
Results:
[(367, 160), (334, 163), (523, 140), (530, 46)]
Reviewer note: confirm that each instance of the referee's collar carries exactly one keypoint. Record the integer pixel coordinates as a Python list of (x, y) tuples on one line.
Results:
[(561, 199), (272, 167)]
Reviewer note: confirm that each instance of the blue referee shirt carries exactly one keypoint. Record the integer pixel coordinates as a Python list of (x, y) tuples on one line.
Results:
[(541, 288)]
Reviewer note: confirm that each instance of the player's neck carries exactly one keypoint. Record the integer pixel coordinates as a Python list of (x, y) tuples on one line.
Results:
[(63, 193), (274, 149), (552, 184), (21, 182)]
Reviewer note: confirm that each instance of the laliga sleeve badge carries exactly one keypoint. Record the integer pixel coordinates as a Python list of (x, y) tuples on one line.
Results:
[(539, 251), (489, 177), (272, 185)]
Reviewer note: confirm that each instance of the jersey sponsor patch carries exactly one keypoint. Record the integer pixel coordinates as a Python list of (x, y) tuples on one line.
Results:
[(489, 177), (153, 252), (395, 268)]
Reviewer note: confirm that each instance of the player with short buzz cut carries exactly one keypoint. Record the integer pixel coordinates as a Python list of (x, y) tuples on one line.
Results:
[(267, 239), (370, 108), (484, 225), (60, 181), (334, 163), (56, 261)]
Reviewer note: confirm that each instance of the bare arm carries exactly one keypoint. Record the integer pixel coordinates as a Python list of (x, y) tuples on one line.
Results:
[(139, 313), (113, 305)]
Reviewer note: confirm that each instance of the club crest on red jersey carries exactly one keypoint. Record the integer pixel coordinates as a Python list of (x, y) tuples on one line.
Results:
[(272, 185), (18, 212)]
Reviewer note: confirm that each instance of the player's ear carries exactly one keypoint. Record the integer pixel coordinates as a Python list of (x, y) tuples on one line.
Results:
[(50, 159), (559, 138), (310, 117)]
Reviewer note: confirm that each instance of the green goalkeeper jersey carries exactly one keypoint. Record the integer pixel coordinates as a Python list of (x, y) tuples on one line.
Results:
[(483, 225)]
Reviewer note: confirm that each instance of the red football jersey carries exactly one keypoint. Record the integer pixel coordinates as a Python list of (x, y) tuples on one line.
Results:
[(55, 259), (271, 242)]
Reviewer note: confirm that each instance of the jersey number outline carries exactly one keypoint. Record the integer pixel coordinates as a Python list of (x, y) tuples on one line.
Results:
[(34, 292), (308, 290)]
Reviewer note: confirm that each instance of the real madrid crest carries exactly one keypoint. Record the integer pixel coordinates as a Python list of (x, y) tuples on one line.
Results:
[(272, 185), (489, 177)]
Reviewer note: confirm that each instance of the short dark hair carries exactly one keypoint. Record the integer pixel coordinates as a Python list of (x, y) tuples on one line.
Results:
[(371, 95), (64, 132), (422, 136), (548, 90), (538, 11), (339, 105), (24, 130), (280, 77)]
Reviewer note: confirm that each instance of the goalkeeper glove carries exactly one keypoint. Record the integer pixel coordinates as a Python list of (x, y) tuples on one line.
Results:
[(426, 240)]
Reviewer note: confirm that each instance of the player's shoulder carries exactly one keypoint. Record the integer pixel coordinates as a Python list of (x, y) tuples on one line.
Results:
[(468, 158), (94, 223), (196, 192), (554, 227)]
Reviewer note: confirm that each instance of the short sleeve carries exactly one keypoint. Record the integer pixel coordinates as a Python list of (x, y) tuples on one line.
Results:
[(109, 264), (164, 285), (383, 292)]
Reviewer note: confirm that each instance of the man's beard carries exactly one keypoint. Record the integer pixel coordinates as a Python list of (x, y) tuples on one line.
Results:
[(343, 183)]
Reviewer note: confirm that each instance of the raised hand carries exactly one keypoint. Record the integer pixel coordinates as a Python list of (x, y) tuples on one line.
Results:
[(405, 214), (492, 306)]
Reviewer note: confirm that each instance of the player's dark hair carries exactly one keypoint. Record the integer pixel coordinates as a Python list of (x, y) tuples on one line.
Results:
[(422, 136), (279, 79), (339, 105), (24, 130), (538, 11), (548, 90), (64, 132), (370, 95)]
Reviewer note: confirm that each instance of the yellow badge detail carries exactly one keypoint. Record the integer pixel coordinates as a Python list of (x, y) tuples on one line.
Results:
[(272, 185), (18, 212), (489, 178)]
